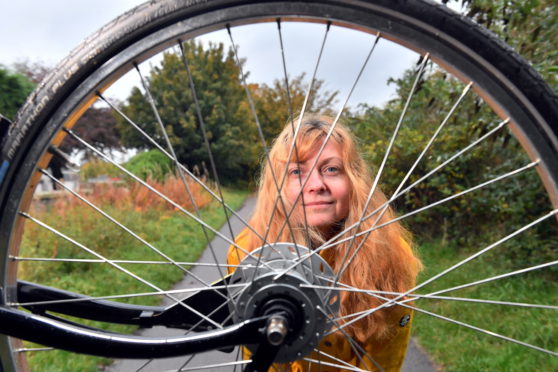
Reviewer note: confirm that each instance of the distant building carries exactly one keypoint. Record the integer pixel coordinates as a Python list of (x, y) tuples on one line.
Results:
[(70, 179)]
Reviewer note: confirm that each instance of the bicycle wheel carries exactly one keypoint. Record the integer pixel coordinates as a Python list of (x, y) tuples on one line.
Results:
[(502, 118)]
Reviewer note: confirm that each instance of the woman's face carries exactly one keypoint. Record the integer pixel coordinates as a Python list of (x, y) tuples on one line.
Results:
[(327, 189)]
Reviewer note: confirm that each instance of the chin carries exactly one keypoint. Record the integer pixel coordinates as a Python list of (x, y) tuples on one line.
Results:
[(319, 224)]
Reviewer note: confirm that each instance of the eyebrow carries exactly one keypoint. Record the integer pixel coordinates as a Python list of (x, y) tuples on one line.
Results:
[(321, 161)]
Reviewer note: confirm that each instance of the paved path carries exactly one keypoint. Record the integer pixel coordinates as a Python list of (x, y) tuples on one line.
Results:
[(415, 361)]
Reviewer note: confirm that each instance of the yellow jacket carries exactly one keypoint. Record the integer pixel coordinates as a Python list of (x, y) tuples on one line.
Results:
[(388, 354)]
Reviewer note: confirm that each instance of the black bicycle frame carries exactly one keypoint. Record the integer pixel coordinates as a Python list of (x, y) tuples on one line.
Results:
[(41, 327)]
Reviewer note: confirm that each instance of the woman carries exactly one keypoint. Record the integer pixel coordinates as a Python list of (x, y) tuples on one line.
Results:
[(327, 198)]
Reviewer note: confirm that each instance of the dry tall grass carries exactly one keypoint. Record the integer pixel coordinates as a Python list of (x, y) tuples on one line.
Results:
[(139, 198)]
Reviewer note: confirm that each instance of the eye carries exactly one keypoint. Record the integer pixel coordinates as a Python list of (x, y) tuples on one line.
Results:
[(294, 172), (332, 169)]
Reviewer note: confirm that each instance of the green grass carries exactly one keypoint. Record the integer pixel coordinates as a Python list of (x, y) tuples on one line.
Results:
[(172, 232), (456, 348)]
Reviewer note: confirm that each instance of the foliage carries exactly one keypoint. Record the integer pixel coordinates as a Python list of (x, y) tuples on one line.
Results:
[(274, 107), (141, 198), (230, 126), (14, 89), (221, 100), (96, 168), (151, 164), (34, 71), (97, 126), (482, 215), (175, 189), (529, 26)]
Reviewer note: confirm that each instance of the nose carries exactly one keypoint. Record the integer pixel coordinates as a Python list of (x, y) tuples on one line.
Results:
[(315, 182)]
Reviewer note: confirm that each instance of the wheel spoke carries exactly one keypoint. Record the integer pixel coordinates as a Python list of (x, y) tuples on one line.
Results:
[(493, 278), (177, 163), (164, 197), (292, 118), (126, 229), (118, 267), (139, 262), (206, 141), (181, 166), (402, 183), (482, 301), (439, 202), (450, 269), (127, 295), (414, 296), (188, 360), (264, 145), (33, 349), (144, 365)]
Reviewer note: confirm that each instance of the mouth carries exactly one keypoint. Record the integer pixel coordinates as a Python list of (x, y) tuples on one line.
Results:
[(318, 204)]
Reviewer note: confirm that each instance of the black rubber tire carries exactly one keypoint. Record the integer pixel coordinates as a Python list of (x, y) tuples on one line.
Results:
[(460, 45)]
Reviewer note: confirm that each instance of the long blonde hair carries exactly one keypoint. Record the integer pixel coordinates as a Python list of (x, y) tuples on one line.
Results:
[(385, 262)]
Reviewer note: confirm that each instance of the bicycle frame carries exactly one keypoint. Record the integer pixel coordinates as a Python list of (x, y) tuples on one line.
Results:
[(44, 328)]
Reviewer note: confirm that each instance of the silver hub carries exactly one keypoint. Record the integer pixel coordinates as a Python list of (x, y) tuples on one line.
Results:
[(273, 283)]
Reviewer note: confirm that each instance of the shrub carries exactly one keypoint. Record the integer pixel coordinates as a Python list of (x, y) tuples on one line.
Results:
[(96, 168), (151, 164)]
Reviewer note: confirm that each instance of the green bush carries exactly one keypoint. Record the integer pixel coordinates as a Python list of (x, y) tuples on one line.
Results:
[(150, 164), (96, 168), (484, 215), (14, 89)]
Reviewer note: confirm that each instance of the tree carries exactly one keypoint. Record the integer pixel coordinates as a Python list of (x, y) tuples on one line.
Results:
[(97, 126), (529, 26), (229, 127), (496, 210), (274, 109), (35, 71), (14, 89)]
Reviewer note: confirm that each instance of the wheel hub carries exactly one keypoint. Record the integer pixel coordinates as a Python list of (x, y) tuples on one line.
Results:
[(284, 280)]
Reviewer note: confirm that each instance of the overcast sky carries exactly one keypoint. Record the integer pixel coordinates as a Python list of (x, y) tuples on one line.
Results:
[(45, 31)]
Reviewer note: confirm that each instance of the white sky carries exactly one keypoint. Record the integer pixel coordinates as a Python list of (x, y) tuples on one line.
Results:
[(45, 31)]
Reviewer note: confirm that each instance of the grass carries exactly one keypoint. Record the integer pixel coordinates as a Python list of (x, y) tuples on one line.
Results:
[(166, 228), (456, 348)]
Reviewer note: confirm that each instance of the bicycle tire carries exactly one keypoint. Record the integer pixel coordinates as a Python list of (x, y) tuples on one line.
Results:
[(502, 78)]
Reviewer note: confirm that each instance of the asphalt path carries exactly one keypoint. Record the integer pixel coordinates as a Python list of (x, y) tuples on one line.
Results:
[(416, 360)]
